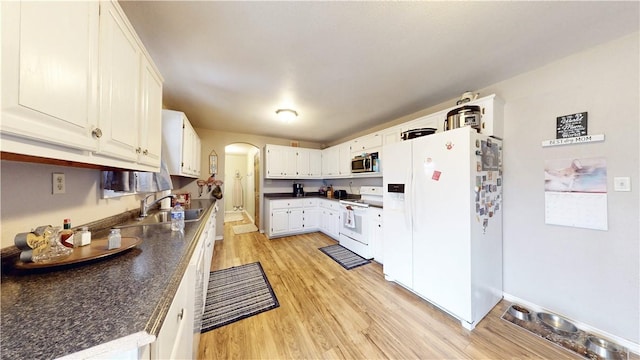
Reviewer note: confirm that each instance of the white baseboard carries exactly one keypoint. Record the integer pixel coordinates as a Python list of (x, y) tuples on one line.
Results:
[(219, 237), (630, 345)]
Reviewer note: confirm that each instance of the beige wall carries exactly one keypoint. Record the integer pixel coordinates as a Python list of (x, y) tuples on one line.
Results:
[(27, 201)]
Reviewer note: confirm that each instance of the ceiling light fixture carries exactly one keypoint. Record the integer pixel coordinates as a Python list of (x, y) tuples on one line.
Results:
[(286, 115)]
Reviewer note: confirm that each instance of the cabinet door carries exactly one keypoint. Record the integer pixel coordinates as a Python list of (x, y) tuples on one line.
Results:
[(196, 154), (49, 72), (365, 143), (296, 220), (188, 139), (279, 221), (275, 158), (175, 339), (344, 159), (329, 223), (392, 135), (302, 163), (311, 219), (151, 115), (120, 86), (376, 233), (315, 163), (330, 158)]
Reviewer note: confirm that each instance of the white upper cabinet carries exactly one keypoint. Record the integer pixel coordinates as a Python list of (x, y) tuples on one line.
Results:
[(49, 72), (180, 144), (280, 161), (75, 85), (120, 86), (308, 163), (336, 161), (151, 115), (287, 162), (366, 144)]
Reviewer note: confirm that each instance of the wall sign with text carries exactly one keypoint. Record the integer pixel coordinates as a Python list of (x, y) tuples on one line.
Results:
[(569, 126), (572, 129)]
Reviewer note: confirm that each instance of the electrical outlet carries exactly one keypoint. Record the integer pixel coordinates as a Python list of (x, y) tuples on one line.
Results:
[(58, 183)]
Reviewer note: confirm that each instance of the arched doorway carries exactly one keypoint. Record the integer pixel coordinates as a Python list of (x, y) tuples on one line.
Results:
[(242, 180)]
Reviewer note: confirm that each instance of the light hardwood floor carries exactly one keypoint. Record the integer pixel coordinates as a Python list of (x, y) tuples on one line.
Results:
[(332, 313)]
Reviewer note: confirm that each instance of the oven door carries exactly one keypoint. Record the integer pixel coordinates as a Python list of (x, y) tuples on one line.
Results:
[(357, 217)]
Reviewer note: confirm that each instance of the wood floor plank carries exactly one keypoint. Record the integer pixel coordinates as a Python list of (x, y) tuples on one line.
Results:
[(332, 313)]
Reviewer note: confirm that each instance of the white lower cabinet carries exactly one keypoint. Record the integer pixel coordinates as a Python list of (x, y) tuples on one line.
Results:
[(330, 218), (292, 216), (376, 232), (175, 339), (179, 336)]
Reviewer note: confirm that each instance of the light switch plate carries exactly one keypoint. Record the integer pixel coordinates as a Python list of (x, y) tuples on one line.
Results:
[(622, 183)]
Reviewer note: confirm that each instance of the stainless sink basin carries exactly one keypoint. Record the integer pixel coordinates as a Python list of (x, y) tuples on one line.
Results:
[(164, 217)]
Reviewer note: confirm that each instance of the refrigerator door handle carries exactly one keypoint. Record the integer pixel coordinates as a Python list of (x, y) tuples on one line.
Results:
[(408, 200)]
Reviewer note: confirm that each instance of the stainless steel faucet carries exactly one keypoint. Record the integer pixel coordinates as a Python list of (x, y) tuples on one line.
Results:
[(144, 207)]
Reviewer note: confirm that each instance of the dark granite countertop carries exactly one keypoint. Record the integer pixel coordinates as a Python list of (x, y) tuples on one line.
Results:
[(276, 196), (116, 303)]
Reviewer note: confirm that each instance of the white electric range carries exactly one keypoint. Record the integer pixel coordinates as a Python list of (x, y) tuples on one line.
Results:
[(355, 221)]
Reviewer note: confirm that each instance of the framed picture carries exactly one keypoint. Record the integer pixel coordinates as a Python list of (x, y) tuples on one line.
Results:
[(213, 163)]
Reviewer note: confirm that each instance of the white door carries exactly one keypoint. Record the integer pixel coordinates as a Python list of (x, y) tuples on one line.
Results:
[(441, 250), (397, 235)]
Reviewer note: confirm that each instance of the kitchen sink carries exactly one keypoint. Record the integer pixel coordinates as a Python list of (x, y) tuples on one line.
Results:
[(164, 217)]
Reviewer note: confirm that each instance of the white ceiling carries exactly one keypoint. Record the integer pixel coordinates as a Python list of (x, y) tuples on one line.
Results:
[(348, 66)]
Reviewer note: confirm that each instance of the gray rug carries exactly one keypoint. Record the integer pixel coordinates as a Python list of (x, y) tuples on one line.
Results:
[(235, 294), (344, 256)]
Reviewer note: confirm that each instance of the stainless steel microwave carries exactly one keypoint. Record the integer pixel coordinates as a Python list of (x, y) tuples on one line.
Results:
[(366, 163)]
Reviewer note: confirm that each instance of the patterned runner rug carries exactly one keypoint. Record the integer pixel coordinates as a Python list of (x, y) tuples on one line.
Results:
[(235, 294), (344, 256)]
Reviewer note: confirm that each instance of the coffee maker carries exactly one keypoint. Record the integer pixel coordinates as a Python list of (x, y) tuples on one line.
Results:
[(298, 190)]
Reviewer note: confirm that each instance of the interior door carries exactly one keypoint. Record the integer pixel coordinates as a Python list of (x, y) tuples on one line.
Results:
[(256, 187)]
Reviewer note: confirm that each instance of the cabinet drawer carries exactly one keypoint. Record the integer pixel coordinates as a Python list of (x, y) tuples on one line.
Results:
[(286, 204), (329, 204), (312, 202)]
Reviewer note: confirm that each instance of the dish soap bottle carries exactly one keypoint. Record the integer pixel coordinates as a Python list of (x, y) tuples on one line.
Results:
[(177, 218)]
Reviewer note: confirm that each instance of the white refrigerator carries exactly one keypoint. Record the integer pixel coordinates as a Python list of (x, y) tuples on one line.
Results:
[(442, 218)]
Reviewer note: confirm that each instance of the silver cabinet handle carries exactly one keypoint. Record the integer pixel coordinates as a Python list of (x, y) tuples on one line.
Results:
[(97, 133), (138, 150), (146, 152), (181, 314)]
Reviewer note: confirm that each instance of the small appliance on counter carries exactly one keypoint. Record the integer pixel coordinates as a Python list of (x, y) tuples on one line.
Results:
[(298, 190), (468, 115), (415, 133), (340, 194)]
